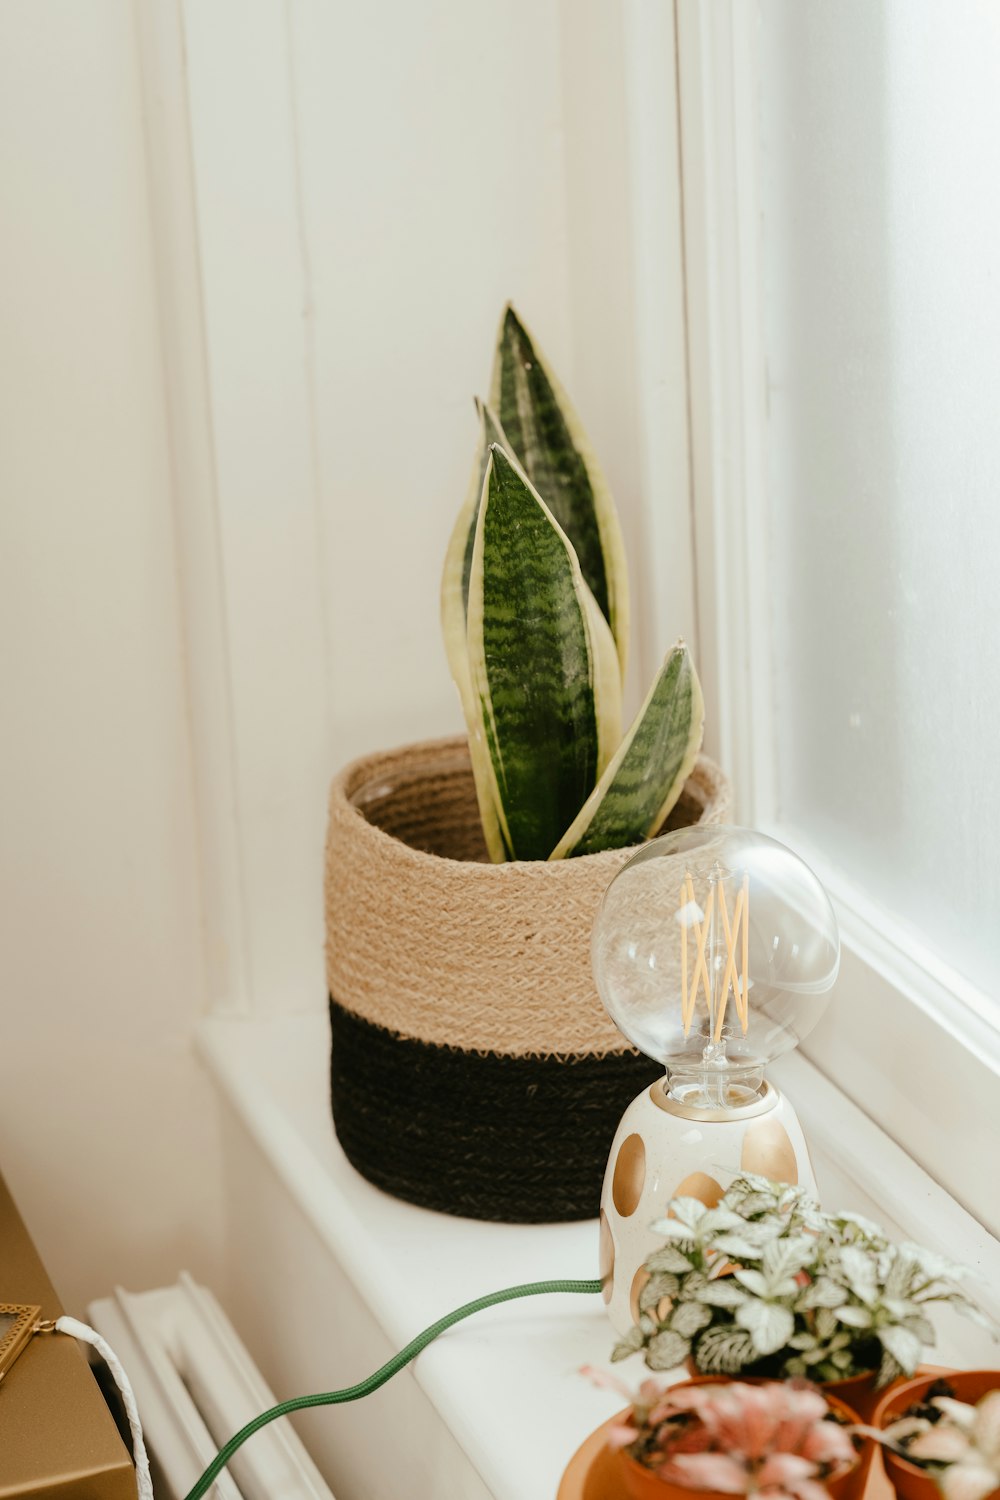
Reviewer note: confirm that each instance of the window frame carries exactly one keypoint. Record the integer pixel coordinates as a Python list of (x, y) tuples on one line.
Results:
[(911, 1041)]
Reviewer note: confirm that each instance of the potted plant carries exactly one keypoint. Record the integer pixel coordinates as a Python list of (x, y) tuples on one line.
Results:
[(767, 1283), (942, 1436), (714, 1437), (474, 1068)]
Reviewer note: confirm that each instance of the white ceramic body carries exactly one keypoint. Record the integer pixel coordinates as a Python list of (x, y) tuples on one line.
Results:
[(658, 1154)]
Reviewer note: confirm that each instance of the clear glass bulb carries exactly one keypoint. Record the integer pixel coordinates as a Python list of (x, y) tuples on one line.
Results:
[(714, 951)]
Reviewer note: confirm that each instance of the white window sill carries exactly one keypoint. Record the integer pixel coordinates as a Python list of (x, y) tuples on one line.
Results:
[(505, 1383)]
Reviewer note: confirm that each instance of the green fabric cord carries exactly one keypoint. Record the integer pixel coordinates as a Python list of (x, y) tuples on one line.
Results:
[(388, 1370)]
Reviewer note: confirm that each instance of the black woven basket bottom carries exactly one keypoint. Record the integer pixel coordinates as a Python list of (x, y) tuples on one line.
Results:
[(516, 1139)]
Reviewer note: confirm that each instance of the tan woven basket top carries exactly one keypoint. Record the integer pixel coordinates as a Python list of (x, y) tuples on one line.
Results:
[(426, 937)]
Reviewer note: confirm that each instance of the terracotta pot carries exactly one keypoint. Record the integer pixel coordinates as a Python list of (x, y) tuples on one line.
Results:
[(858, 1393), (640, 1483), (908, 1480)]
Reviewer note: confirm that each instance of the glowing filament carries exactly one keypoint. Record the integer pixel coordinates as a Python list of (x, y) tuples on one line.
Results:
[(736, 934)]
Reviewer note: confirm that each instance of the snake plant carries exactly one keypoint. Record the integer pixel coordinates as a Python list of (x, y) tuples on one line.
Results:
[(535, 613)]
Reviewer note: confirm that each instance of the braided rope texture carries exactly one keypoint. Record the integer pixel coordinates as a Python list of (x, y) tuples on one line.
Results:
[(517, 1139), (427, 939)]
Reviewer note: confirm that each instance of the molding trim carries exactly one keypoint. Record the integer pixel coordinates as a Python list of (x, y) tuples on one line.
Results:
[(726, 372), (195, 497)]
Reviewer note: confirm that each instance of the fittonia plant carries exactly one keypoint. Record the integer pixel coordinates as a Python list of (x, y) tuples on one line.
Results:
[(766, 1282), (534, 606)]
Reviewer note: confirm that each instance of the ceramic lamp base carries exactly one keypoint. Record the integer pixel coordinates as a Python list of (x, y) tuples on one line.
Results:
[(663, 1149)]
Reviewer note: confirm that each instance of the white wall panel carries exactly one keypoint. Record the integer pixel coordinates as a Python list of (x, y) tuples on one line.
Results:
[(432, 175), (370, 185), (256, 316), (107, 1132)]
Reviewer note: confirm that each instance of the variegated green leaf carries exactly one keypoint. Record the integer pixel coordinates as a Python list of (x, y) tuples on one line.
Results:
[(667, 1259), (649, 768), (454, 602), (666, 1350), (903, 1346), (630, 1344), (549, 441), (689, 1318), (458, 559), (542, 662), (769, 1325), (656, 1288), (723, 1350), (722, 1293)]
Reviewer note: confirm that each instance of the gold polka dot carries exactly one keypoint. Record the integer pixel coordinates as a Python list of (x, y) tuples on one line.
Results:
[(699, 1185), (662, 1308), (638, 1282), (630, 1175), (607, 1258), (768, 1151)]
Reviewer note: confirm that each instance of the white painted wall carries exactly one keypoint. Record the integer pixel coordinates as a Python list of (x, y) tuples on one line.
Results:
[(370, 185), (253, 259), (107, 1126)]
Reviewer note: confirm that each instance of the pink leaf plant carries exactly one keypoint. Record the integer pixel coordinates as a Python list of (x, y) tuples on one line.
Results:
[(958, 1443), (776, 1439)]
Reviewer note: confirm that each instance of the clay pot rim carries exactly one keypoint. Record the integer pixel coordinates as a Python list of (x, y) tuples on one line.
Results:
[(889, 1455)]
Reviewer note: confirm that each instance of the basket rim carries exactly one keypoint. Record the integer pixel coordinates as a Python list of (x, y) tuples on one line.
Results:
[(454, 748)]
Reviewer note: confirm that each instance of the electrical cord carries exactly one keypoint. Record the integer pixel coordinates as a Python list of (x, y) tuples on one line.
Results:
[(388, 1370)]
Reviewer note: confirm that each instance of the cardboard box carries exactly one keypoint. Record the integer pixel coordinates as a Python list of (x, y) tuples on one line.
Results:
[(57, 1438)]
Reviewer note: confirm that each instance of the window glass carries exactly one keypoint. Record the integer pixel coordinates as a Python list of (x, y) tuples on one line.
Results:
[(880, 220)]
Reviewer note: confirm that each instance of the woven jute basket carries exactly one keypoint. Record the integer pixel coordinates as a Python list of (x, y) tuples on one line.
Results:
[(474, 1068)]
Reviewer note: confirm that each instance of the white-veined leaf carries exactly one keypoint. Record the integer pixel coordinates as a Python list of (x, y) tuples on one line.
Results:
[(688, 1211), (738, 1246), (784, 1257), (690, 1318), (975, 1314), (630, 1344), (666, 1350), (903, 1345), (820, 1293), (656, 1288), (754, 1281), (722, 1293), (669, 1258), (859, 1270), (853, 1317), (723, 1350), (933, 1265), (922, 1327), (769, 1325), (825, 1322)]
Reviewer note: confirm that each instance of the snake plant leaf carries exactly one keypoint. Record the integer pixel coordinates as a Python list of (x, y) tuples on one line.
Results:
[(549, 441), (650, 767), (454, 603), (543, 665), (458, 558)]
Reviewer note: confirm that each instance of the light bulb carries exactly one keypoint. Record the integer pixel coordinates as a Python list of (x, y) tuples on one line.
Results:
[(714, 951)]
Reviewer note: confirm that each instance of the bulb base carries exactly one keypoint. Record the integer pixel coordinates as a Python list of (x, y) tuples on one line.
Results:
[(691, 1100), (666, 1147)]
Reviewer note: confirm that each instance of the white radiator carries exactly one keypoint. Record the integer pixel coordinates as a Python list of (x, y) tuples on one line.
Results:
[(195, 1385)]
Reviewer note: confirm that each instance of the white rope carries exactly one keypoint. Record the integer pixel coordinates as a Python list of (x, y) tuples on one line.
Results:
[(88, 1335)]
